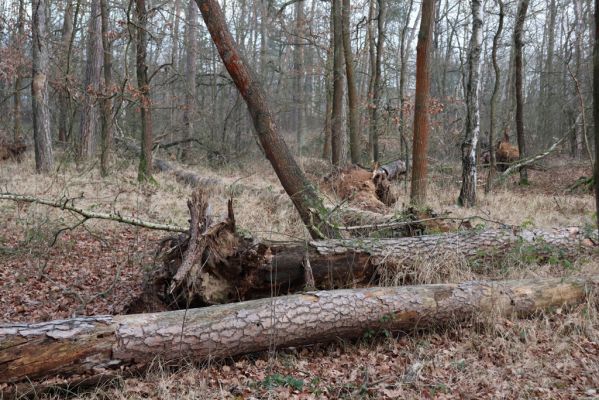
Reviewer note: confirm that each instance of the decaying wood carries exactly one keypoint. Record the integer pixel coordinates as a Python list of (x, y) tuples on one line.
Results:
[(369, 190), (232, 267), (96, 345)]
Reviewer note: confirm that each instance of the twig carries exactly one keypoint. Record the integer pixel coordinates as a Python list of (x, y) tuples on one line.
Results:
[(115, 216)]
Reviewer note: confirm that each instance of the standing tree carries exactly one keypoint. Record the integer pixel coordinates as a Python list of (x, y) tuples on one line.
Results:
[(421, 118), (353, 113), (337, 106), (44, 157), (596, 105), (298, 82), (93, 68), (493, 110), (303, 195), (377, 81), (106, 133), (470, 145), (518, 45), (144, 172), (19, 41), (64, 98), (191, 28)]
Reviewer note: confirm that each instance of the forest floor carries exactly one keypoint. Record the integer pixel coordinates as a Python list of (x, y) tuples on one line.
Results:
[(52, 268)]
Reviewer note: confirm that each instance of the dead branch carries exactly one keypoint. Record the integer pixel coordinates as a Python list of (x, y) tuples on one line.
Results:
[(68, 205)]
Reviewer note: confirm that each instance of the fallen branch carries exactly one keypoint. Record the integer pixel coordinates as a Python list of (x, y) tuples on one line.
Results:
[(514, 167), (99, 345), (68, 206)]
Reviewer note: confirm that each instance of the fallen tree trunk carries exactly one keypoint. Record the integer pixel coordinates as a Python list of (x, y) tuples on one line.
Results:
[(231, 267), (94, 345)]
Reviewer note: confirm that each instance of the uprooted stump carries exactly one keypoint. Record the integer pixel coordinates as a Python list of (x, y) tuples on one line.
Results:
[(215, 264), (369, 190)]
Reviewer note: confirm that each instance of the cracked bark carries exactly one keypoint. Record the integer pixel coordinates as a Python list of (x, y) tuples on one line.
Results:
[(95, 345)]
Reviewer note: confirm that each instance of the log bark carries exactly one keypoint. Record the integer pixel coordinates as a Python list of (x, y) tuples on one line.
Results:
[(244, 268), (95, 345)]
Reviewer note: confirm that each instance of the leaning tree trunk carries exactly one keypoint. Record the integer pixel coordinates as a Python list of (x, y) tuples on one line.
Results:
[(303, 195), (91, 345), (40, 107), (421, 119), (518, 45), (469, 146)]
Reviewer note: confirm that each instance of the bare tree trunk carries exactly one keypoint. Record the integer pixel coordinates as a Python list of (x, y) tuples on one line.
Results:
[(421, 118), (299, 81), (470, 145), (106, 133), (175, 67), (93, 68), (64, 98), (20, 40), (189, 111), (143, 84), (377, 85), (353, 113), (303, 195), (596, 106), (494, 98), (42, 136), (86, 345), (337, 105), (518, 45)]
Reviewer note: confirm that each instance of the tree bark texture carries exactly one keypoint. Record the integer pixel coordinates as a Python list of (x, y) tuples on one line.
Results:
[(352, 93), (106, 132), (337, 105), (42, 136), (237, 268), (494, 98), (303, 195), (64, 99), (377, 82), (596, 106), (19, 42), (143, 84), (93, 345), (421, 118), (518, 45), (189, 111), (91, 85), (470, 145)]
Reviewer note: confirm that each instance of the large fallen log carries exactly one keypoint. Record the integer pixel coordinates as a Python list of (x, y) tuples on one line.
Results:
[(223, 266), (94, 345)]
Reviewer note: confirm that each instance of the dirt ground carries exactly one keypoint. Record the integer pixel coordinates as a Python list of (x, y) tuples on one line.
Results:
[(52, 266)]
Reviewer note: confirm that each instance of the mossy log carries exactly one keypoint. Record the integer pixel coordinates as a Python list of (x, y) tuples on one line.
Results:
[(97, 345)]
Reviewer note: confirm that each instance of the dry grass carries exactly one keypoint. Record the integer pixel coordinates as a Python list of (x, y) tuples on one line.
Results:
[(553, 356)]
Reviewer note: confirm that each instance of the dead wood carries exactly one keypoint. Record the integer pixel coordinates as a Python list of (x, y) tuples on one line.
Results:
[(368, 190), (89, 346), (218, 265)]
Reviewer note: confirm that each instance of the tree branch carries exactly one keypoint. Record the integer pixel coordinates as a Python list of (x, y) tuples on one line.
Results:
[(92, 214)]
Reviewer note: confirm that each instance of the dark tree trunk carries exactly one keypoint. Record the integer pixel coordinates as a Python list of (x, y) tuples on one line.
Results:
[(337, 106), (91, 85), (106, 132), (352, 94), (44, 157), (145, 161), (302, 193), (421, 118), (492, 117), (518, 45), (190, 75)]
